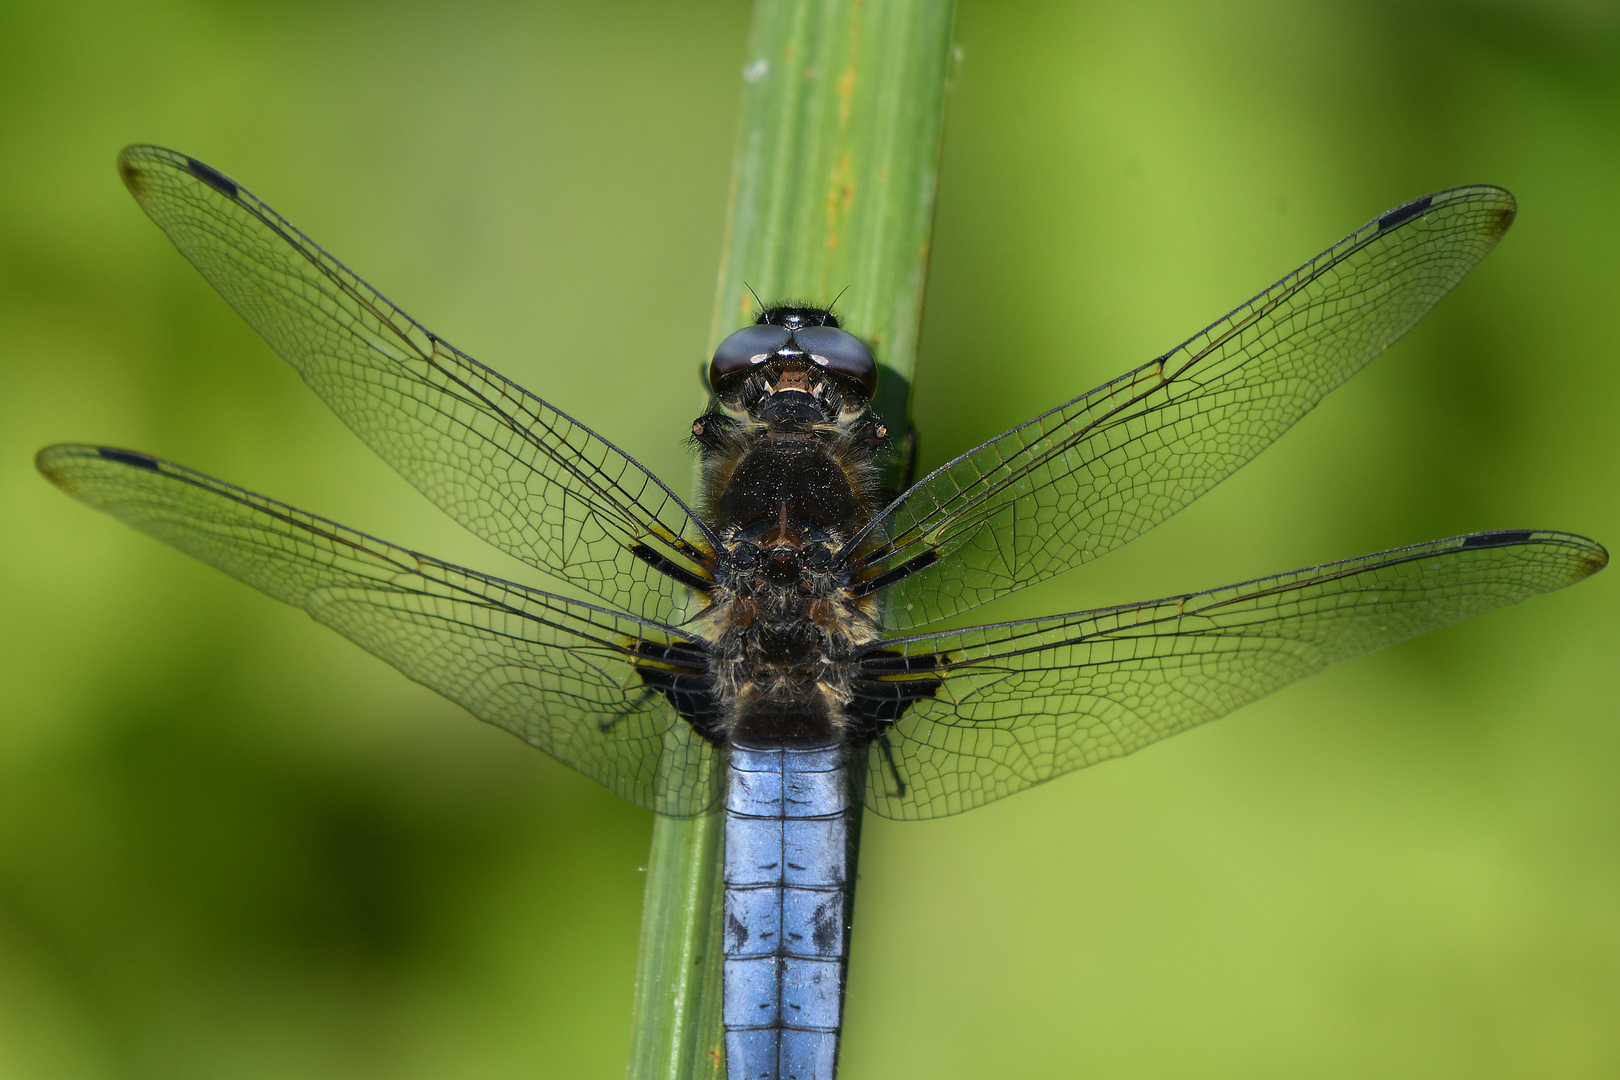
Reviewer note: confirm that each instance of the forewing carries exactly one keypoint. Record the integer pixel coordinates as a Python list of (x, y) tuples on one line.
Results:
[(1020, 703), (1090, 475), (509, 467), (558, 674)]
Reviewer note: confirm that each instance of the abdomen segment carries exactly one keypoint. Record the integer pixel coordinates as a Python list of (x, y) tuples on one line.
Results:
[(787, 828)]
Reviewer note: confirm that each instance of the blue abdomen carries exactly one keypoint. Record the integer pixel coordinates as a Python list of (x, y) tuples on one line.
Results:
[(786, 911)]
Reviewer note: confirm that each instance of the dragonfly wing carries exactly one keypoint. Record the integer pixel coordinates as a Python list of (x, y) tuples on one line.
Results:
[(565, 677), (515, 471), (996, 709), (1093, 474)]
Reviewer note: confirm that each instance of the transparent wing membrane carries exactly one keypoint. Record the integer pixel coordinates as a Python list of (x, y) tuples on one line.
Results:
[(1019, 703), (970, 715), (558, 674), (1093, 474), (506, 465)]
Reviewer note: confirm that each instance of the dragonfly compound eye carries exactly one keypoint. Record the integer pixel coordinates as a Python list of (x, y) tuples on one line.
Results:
[(839, 352), (749, 346)]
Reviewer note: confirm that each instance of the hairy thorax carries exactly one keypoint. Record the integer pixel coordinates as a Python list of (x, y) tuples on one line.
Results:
[(788, 471)]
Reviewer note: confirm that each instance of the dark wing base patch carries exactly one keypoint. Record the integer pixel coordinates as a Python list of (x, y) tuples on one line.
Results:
[(680, 671)]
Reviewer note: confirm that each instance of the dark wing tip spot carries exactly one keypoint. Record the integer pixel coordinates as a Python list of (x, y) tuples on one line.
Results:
[(129, 457), (1500, 220), (130, 173), (1402, 214), (212, 177), (1596, 558), (1500, 538)]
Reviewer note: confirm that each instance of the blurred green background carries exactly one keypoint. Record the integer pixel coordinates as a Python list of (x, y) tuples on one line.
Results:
[(233, 845)]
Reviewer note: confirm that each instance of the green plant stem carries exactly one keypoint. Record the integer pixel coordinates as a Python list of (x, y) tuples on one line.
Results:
[(832, 193)]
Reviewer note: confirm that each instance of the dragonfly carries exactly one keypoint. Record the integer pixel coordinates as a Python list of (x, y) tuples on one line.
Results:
[(772, 649)]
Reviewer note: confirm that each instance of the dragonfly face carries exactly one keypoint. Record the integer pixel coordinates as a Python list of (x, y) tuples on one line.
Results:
[(786, 334), (772, 648)]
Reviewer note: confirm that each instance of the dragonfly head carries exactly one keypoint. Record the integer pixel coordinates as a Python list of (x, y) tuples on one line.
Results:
[(793, 337)]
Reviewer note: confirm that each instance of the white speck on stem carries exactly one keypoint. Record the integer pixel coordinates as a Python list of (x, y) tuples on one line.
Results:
[(756, 71)]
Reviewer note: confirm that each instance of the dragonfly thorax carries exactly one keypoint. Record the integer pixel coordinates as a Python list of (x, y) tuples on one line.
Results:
[(789, 477)]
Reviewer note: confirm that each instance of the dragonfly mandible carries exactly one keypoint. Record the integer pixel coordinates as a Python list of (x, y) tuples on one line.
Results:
[(770, 648)]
